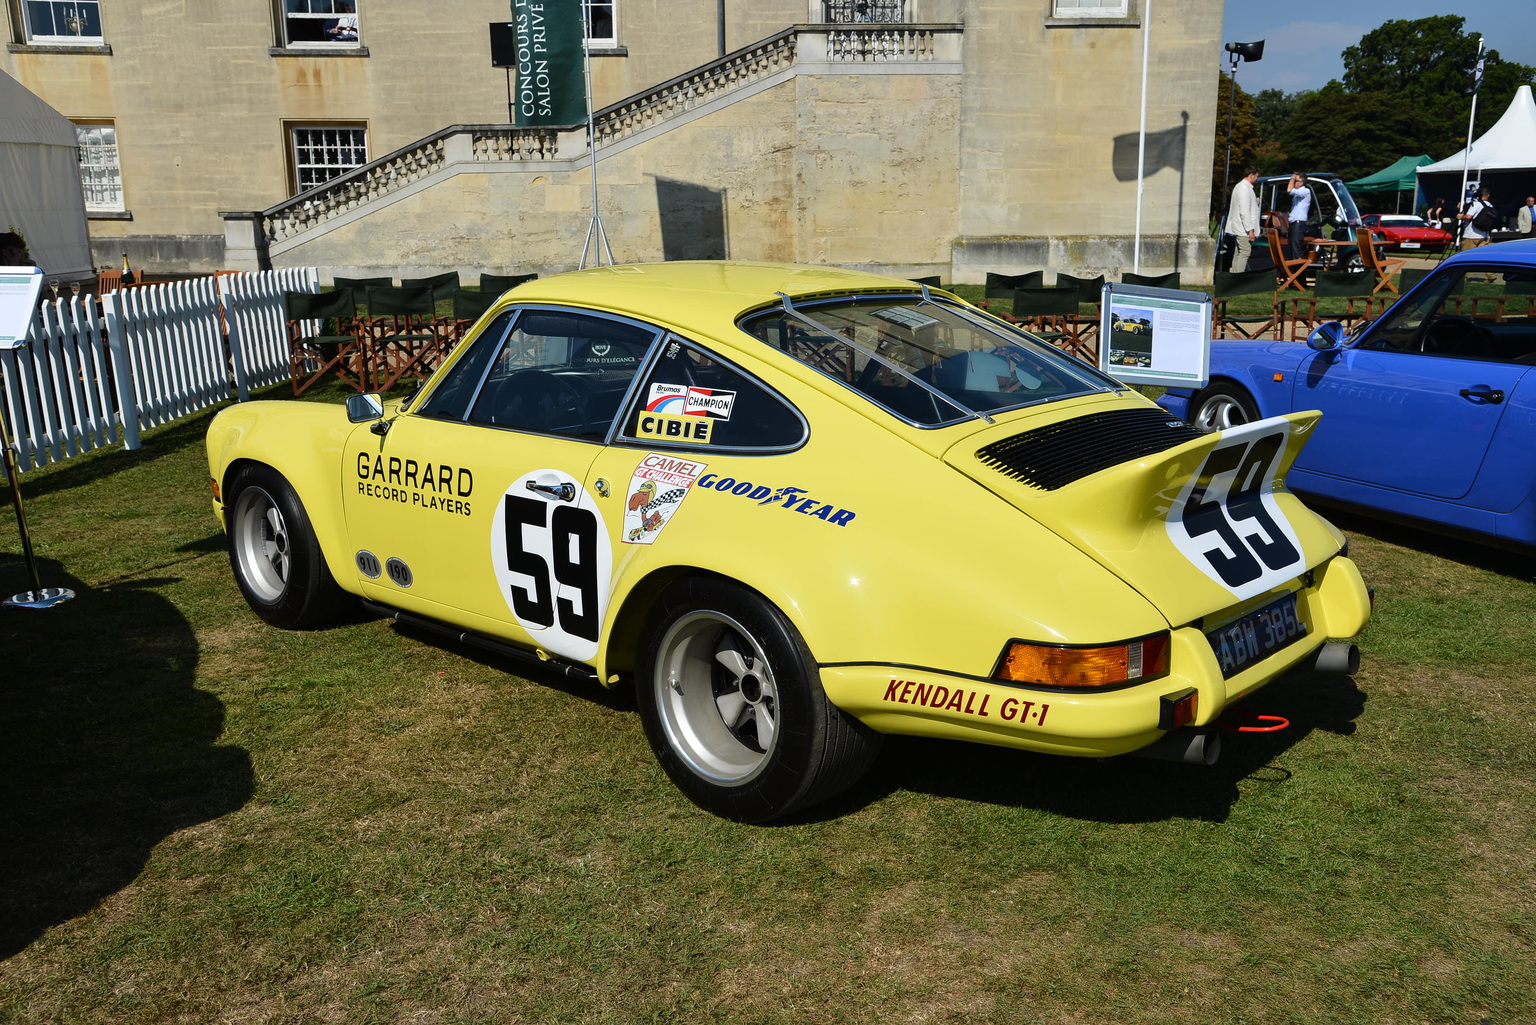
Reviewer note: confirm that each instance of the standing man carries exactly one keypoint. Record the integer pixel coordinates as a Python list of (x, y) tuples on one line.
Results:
[(1472, 233), (1525, 220), (1243, 218), (1301, 209)]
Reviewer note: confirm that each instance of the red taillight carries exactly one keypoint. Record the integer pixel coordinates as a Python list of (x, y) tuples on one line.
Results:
[(1109, 665)]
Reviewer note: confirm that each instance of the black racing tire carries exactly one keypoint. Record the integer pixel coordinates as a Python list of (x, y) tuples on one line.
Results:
[(272, 549), (733, 706), (1221, 406)]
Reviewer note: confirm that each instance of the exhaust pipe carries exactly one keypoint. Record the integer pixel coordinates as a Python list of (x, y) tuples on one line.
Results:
[(1338, 657), (1190, 745)]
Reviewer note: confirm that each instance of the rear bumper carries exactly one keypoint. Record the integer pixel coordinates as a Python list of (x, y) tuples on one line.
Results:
[(930, 703)]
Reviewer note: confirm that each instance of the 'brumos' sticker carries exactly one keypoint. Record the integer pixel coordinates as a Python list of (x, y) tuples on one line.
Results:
[(687, 400), (658, 487), (553, 561), (1226, 520)]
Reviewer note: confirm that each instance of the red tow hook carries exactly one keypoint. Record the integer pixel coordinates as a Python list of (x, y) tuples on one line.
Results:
[(1280, 722)]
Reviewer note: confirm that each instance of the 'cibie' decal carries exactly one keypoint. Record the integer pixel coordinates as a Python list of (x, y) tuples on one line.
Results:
[(1226, 520), (658, 487), (553, 561)]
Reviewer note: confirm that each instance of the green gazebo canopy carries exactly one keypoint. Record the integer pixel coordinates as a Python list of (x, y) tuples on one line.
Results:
[(1397, 178)]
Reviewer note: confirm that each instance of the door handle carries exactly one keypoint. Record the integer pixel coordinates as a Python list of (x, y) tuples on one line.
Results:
[(565, 492), (1482, 393)]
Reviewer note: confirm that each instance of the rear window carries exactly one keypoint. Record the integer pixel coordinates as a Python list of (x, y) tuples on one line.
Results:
[(928, 363)]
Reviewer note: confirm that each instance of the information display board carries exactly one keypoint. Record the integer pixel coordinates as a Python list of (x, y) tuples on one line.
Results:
[(1155, 335), (19, 289)]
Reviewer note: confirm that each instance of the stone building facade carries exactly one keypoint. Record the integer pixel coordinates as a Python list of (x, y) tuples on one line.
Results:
[(948, 137)]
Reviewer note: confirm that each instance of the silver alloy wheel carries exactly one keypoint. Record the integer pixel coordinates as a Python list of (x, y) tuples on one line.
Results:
[(261, 544), (717, 698), (1219, 412)]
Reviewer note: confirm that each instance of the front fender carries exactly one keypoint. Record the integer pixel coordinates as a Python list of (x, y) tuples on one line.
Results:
[(301, 440)]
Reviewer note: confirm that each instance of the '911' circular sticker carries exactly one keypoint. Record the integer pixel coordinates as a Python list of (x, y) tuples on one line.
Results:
[(554, 561)]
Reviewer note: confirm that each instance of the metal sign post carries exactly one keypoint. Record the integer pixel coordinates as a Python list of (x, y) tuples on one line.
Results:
[(597, 238), (19, 289)]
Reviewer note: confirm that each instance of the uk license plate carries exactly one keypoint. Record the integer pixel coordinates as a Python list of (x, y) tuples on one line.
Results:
[(1257, 635), (1411, 245)]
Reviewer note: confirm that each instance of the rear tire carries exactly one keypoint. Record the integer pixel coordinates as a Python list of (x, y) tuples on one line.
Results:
[(273, 551), (1222, 406), (733, 706)]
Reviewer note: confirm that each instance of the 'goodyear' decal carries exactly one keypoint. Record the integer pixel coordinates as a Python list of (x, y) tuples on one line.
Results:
[(798, 499)]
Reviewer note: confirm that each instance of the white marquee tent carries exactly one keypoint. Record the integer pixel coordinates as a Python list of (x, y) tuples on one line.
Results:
[(40, 191), (1502, 158)]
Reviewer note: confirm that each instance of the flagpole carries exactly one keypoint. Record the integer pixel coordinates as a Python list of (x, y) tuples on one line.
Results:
[(1466, 154), (597, 238), (1141, 148)]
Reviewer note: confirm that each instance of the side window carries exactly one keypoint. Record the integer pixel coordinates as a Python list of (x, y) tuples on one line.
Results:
[(451, 398), (562, 373), (692, 398), (63, 21), (101, 178), (320, 23), (1478, 313)]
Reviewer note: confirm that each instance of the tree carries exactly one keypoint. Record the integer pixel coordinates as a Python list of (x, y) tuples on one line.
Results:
[(1245, 138), (1428, 63), (1350, 134), (1272, 107)]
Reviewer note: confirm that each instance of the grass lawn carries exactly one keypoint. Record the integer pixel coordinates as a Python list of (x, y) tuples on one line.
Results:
[(209, 820)]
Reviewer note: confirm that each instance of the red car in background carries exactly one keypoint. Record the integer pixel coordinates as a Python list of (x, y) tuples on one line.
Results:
[(1405, 231)]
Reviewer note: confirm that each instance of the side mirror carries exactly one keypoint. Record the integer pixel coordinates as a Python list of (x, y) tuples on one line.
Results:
[(362, 408), (1327, 337)]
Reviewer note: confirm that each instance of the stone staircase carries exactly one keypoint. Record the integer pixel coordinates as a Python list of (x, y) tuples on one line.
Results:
[(814, 49)]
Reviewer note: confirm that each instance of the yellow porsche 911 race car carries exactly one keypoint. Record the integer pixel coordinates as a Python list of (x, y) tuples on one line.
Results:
[(801, 508)]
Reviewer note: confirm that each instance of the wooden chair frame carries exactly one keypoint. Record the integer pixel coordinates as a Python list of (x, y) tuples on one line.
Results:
[(1291, 273), (1377, 264)]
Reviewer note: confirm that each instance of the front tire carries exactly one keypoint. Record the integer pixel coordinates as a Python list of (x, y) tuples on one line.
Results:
[(273, 551), (1222, 406), (733, 706)]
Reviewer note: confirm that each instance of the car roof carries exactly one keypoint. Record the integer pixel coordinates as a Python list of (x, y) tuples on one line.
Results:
[(1521, 253), (704, 295)]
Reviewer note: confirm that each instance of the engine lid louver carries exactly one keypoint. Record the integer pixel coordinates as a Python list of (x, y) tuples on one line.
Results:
[(1053, 457)]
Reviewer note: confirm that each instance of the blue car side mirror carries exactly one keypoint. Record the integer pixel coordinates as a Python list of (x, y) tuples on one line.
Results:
[(1327, 337)]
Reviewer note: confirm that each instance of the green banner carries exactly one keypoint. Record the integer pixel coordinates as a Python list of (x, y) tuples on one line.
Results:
[(551, 89)]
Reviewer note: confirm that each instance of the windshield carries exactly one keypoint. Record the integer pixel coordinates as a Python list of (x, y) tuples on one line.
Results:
[(928, 363)]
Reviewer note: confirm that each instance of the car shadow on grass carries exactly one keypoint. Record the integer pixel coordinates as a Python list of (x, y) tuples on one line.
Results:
[(1513, 564), (110, 748), (1116, 790)]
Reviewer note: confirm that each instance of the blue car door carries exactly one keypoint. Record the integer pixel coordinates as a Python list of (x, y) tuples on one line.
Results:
[(1412, 421), (1416, 403)]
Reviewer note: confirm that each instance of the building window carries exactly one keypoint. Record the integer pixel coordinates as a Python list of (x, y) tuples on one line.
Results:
[(320, 23), (101, 176), (848, 12), (601, 25), (322, 152), (1092, 8), (63, 21)]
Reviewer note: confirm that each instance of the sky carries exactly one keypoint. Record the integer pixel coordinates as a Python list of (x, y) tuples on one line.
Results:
[(1302, 43)]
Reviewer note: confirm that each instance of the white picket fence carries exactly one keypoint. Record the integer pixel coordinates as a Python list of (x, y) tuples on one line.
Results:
[(152, 354)]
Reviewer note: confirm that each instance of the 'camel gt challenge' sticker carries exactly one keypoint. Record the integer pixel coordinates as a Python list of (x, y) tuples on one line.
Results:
[(1226, 521), (553, 561), (658, 487)]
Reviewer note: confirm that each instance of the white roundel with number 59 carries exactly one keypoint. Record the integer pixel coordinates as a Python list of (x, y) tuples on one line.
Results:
[(553, 561), (1226, 520)]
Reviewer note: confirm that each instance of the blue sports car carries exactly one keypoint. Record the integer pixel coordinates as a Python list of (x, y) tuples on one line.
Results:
[(1429, 412)]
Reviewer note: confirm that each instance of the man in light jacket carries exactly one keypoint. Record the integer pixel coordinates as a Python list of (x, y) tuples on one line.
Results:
[(1243, 218)]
